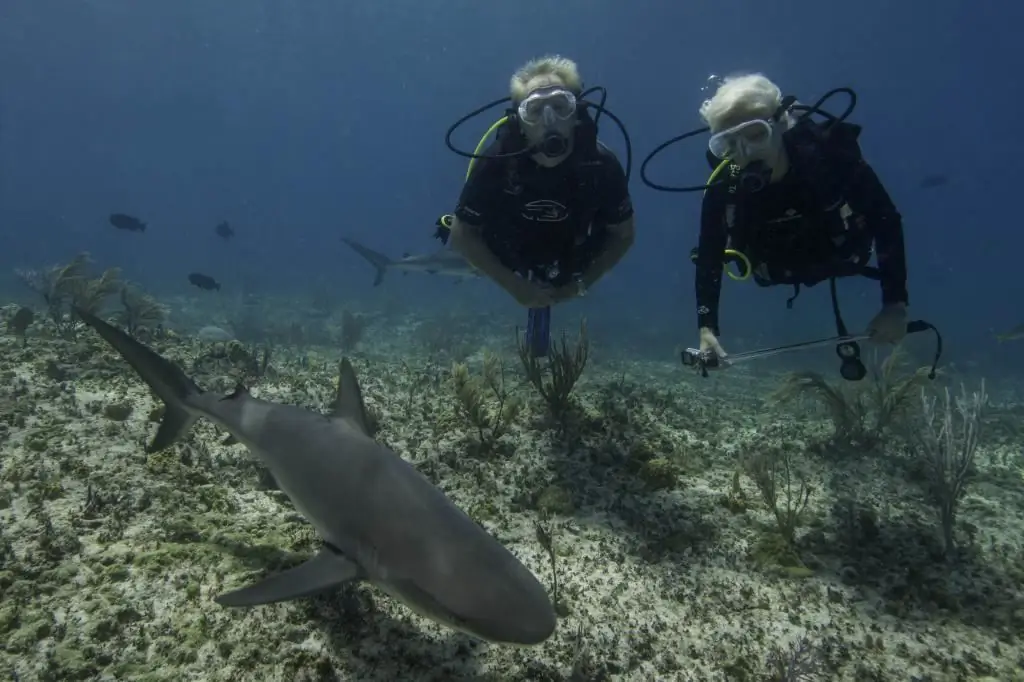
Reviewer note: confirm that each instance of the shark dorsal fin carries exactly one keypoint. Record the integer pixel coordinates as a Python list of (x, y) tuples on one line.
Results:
[(348, 404)]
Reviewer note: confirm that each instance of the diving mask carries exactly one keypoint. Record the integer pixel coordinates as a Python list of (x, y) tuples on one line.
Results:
[(744, 142), (547, 106)]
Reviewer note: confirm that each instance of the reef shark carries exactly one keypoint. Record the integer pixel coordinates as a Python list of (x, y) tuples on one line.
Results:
[(443, 262), (380, 519)]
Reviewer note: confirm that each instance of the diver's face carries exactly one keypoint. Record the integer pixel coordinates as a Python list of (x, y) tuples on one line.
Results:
[(747, 142), (547, 111)]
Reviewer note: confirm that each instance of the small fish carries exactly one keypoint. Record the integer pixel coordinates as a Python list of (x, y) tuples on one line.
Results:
[(203, 281), (1012, 334), (123, 221), (224, 230), (20, 322), (444, 262), (935, 180)]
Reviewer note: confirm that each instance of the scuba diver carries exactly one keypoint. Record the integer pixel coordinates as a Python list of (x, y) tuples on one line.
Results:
[(545, 211), (791, 201)]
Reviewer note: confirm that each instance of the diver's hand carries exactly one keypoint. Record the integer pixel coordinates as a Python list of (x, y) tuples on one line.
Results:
[(567, 292), (890, 324), (709, 342), (530, 294)]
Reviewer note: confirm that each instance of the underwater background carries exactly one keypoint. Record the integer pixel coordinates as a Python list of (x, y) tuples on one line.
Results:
[(302, 123)]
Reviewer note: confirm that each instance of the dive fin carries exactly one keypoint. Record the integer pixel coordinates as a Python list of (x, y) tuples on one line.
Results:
[(348, 404), (538, 331), (164, 377), (325, 571), (377, 260)]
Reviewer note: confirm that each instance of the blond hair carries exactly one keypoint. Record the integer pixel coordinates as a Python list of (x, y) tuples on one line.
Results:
[(742, 98), (557, 68)]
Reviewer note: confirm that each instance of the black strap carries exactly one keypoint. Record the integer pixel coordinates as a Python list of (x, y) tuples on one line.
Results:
[(840, 325), (796, 292)]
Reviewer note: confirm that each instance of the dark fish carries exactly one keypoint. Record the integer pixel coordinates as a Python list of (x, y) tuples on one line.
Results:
[(21, 320), (203, 281), (123, 221), (930, 181), (224, 230)]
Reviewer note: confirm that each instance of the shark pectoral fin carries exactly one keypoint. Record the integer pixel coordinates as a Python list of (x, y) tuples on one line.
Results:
[(175, 424), (325, 571)]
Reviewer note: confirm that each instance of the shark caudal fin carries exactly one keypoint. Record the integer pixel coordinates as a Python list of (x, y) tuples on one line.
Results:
[(163, 376), (377, 260)]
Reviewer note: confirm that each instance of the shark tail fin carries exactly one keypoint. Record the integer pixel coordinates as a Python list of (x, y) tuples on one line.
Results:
[(377, 260), (164, 378)]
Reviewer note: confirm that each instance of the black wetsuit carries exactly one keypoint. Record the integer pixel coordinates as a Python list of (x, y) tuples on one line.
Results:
[(547, 224), (820, 221)]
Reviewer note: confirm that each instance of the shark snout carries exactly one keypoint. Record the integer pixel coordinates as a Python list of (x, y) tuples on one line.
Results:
[(523, 615), (534, 623)]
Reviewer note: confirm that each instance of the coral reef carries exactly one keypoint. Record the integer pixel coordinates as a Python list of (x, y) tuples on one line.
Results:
[(486, 401), (65, 288), (555, 375), (860, 414), (688, 529), (139, 312)]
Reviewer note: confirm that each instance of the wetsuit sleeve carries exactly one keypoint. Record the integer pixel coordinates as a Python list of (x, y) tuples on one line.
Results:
[(711, 245), (615, 205), (867, 196), (479, 199)]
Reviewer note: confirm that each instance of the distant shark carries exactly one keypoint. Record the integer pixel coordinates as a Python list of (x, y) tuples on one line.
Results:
[(444, 262), (380, 519)]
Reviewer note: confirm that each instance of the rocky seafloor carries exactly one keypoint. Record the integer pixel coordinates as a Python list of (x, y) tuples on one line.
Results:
[(668, 564)]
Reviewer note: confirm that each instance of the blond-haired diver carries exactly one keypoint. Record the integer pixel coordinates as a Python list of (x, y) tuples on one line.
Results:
[(545, 210), (792, 201)]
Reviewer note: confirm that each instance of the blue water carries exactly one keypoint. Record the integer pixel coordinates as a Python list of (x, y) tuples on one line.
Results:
[(300, 122)]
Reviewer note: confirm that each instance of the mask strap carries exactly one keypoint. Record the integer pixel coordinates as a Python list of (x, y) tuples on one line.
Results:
[(787, 103)]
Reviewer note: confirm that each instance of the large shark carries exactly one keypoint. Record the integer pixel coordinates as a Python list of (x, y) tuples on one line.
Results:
[(443, 262), (380, 519)]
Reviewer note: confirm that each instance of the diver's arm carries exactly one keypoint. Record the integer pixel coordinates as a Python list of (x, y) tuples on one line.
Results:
[(710, 251), (867, 196), (620, 239), (467, 240), (479, 203), (615, 212)]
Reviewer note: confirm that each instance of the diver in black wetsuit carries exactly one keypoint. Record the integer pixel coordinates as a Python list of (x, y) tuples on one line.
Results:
[(545, 211), (791, 201)]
